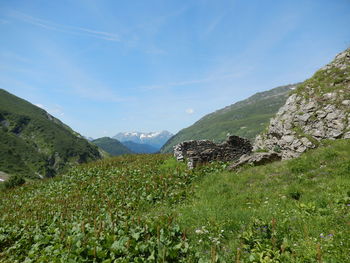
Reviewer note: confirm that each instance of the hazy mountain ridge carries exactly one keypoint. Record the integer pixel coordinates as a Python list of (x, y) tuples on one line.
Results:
[(154, 139), (34, 143), (140, 147), (112, 146), (245, 118)]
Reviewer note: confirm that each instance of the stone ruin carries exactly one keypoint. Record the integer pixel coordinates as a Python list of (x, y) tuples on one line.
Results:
[(205, 151)]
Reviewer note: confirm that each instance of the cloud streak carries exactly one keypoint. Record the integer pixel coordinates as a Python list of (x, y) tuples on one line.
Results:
[(215, 77), (212, 26), (49, 25), (77, 80), (2, 21), (55, 111)]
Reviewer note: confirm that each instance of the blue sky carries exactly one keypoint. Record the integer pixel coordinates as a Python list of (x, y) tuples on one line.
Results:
[(104, 67)]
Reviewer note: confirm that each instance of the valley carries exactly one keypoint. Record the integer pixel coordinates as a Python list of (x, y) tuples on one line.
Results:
[(265, 179)]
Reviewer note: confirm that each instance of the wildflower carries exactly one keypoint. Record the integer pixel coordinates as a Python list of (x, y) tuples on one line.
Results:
[(199, 231), (321, 235)]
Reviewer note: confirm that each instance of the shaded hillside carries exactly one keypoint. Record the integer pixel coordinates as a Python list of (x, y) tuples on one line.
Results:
[(246, 118), (140, 147), (112, 146), (35, 144)]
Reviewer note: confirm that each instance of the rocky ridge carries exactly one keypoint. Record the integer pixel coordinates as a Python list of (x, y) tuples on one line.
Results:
[(318, 109)]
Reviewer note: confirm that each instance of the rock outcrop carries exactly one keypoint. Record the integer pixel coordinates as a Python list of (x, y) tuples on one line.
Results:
[(205, 151), (318, 109), (258, 158)]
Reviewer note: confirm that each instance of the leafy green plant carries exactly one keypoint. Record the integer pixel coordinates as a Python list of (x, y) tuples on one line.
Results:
[(13, 181), (150, 208), (295, 195)]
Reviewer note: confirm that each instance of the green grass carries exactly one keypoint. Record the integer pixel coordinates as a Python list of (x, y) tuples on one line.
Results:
[(333, 79), (304, 203), (149, 208)]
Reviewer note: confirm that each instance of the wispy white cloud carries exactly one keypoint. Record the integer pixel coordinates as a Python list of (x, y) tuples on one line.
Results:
[(212, 78), (189, 111), (75, 30), (155, 51), (39, 105), (75, 79), (55, 110), (3, 21), (14, 56), (213, 24), (6, 82)]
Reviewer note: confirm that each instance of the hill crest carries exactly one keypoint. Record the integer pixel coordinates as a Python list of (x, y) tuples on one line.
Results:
[(245, 118)]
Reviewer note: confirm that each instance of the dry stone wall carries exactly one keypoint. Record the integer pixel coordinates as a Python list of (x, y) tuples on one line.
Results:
[(204, 151)]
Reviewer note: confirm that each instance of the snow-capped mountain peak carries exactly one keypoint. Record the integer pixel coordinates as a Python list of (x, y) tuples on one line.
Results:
[(155, 139)]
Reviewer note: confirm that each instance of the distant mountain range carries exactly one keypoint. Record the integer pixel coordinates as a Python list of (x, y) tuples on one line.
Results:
[(35, 144), (112, 146), (154, 139), (246, 118)]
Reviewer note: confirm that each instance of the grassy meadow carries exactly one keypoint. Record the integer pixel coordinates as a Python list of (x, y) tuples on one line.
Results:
[(149, 208)]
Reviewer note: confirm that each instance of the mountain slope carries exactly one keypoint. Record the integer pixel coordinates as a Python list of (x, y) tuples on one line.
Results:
[(140, 147), (318, 109), (155, 139), (112, 146), (35, 144), (246, 118)]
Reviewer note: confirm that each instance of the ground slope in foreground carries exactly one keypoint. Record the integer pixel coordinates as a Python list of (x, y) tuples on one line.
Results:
[(148, 208)]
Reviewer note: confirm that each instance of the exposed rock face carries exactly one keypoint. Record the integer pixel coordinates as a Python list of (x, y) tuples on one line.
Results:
[(256, 159), (204, 151), (319, 109)]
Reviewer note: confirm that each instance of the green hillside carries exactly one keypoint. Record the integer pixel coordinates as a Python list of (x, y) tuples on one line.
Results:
[(112, 146), (33, 143), (149, 208), (140, 147), (246, 118)]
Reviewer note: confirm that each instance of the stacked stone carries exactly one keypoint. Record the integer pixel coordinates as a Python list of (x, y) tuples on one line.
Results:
[(205, 151)]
